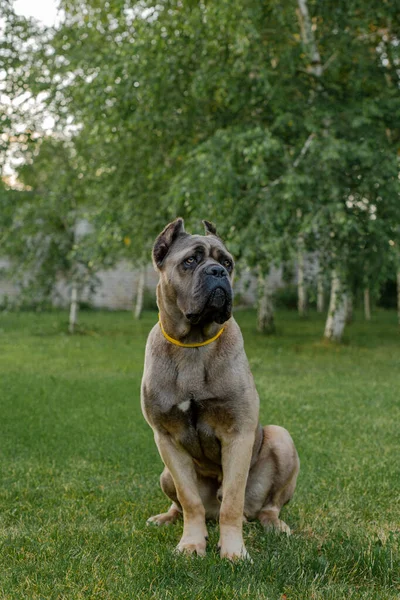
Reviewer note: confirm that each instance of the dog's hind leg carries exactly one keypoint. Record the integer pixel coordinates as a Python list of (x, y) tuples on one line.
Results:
[(167, 518), (272, 479), (208, 488), (175, 511)]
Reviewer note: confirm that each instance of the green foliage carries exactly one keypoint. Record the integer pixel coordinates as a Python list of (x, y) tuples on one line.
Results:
[(218, 110), (388, 294), (286, 297), (17, 36), (42, 239)]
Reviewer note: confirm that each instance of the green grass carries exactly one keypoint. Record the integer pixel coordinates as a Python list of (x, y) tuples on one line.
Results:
[(79, 468)]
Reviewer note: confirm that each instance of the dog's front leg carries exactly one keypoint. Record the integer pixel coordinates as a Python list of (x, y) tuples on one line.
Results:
[(180, 465), (236, 457)]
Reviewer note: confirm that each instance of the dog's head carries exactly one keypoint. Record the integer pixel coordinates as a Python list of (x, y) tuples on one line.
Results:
[(195, 273)]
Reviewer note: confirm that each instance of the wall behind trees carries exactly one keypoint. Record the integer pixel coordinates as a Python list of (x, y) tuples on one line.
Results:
[(116, 288)]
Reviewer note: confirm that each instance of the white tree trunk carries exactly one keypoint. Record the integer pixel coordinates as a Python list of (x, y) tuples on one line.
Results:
[(139, 292), (308, 37), (74, 307), (265, 316), (301, 285), (398, 294), (336, 319), (367, 305), (320, 293)]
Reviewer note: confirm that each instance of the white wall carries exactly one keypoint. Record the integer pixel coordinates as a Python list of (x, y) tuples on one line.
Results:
[(117, 287)]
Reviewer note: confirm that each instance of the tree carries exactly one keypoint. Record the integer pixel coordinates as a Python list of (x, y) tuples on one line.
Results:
[(248, 113), (44, 237)]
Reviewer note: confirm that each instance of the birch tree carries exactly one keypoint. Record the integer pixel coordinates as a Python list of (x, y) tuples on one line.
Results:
[(351, 223), (203, 109), (140, 286), (73, 311), (42, 239), (17, 37), (301, 284), (320, 291), (337, 310), (335, 320), (265, 312)]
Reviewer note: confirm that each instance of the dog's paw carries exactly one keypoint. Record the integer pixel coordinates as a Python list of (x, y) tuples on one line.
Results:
[(233, 548), (231, 543), (283, 528), (189, 545), (162, 519), (276, 525), (234, 554)]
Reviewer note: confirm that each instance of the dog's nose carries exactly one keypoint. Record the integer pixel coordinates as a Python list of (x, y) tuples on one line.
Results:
[(216, 271)]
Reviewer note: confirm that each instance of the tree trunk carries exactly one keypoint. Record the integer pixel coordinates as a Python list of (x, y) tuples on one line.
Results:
[(265, 316), (74, 307), (308, 37), (367, 305), (139, 293), (301, 286), (398, 294), (320, 293), (336, 319)]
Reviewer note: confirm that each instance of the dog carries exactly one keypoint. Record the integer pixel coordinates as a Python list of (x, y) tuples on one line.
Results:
[(199, 397)]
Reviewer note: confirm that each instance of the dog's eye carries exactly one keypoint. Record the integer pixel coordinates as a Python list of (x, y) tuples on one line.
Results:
[(189, 261), (227, 264)]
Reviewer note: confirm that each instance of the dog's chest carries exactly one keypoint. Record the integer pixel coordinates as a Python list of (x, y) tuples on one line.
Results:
[(201, 410), (191, 377), (195, 423), (198, 400), (202, 396)]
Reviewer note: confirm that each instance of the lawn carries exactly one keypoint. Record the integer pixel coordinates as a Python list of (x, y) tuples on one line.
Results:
[(79, 468)]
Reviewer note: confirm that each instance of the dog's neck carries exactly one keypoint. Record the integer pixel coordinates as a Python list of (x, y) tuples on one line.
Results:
[(179, 328)]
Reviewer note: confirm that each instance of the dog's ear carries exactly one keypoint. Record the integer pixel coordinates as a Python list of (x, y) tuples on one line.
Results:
[(165, 240), (210, 228)]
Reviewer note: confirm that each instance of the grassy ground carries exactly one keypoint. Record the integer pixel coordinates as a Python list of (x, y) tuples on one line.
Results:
[(79, 468)]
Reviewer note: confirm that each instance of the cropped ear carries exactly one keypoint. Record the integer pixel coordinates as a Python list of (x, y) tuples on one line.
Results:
[(210, 228), (165, 240)]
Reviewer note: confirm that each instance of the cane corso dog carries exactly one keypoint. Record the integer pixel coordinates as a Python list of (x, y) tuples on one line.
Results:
[(199, 397)]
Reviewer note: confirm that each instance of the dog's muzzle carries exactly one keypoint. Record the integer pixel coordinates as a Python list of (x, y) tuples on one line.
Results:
[(217, 306), (217, 299)]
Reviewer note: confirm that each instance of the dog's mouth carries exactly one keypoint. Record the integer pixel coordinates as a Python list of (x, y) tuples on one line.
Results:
[(217, 298), (218, 308)]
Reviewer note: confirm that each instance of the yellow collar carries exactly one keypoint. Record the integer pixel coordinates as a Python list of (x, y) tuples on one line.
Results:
[(181, 344)]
